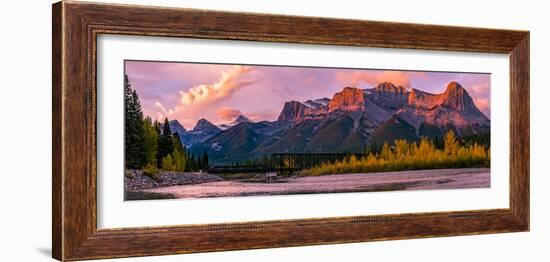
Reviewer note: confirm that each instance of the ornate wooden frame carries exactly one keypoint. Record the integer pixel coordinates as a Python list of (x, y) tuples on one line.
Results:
[(76, 26)]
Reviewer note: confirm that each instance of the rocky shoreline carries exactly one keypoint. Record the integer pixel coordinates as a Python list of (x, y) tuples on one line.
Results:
[(136, 180)]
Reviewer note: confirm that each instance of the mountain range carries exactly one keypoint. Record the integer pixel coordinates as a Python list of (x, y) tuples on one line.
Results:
[(352, 119)]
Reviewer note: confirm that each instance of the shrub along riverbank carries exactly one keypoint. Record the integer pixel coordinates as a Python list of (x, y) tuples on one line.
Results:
[(409, 156)]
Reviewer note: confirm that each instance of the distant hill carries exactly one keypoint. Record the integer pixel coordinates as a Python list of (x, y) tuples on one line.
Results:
[(201, 132)]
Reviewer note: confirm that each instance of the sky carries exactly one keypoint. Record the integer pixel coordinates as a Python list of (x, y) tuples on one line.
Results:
[(219, 93)]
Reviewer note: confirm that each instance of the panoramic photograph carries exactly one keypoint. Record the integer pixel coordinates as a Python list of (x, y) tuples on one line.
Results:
[(203, 130)]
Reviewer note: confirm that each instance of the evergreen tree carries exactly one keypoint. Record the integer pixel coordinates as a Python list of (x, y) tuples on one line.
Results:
[(205, 164), (135, 153), (199, 163), (165, 142), (157, 126), (267, 161), (189, 162), (176, 142), (193, 163)]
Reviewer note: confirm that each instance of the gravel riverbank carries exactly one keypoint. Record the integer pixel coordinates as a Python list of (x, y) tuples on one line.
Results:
[(136, 180)]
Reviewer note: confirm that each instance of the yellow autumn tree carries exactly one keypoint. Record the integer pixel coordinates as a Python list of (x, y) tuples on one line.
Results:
[(409, 156), (451, 145), (386, 153), (401, 149), (168, 163), (425, 149)]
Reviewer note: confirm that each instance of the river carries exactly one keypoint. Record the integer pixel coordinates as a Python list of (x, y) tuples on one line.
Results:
[(363, 182)]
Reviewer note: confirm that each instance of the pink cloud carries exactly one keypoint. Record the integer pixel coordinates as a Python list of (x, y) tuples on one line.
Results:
[(263, 115), (484, 105), (227, 84), (190, 91), (479, 89), (356, 77), (310, 80), (203, 98), (228, 114), (162, 111)]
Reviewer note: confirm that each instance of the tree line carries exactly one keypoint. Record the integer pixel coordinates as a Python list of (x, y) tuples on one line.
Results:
[(402, 155), (151, 145)]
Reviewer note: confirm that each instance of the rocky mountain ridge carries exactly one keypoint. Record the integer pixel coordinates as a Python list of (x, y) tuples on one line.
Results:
[(352, 119)]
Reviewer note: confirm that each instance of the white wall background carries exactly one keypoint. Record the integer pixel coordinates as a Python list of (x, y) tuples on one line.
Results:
[(25, 132)]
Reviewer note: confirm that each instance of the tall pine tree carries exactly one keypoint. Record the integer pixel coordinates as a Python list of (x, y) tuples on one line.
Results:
[(165, 144), (134, 140), (205, 165)]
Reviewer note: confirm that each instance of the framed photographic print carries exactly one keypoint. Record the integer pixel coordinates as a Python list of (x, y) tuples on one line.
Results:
[(250, 133), (181, 130)]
